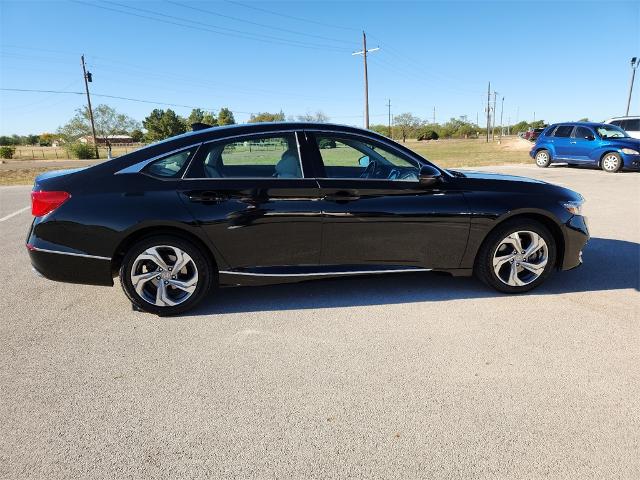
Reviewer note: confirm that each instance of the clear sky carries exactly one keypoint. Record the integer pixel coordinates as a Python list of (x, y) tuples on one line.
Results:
[(561, 60)]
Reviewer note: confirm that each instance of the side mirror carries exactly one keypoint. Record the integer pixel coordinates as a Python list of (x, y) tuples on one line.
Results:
[(589, 137), (429, 175), (364, 161)]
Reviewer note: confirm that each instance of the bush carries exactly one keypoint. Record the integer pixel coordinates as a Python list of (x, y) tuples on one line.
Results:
[(7, 152), (82, 151), (327, 143), (427, 135)]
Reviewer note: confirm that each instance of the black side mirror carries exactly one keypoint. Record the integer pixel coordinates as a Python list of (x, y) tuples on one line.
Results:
[(429, 175)]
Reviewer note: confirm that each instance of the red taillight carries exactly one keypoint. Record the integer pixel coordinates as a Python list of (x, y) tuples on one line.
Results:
[(46, 202)]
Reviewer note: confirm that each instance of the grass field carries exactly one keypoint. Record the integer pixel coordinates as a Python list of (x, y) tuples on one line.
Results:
[(445, 153)]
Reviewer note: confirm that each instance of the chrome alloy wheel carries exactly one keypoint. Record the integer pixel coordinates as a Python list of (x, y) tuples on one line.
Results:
[(520, 258), (164, 276), (610, 162), (542, 158)]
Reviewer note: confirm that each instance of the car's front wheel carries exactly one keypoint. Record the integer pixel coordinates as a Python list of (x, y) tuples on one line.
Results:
[(543, 158), (611, 162), (166, 275), (517, 256)]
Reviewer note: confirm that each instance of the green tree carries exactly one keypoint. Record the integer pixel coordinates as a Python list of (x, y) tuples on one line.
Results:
[(318, 117), (137, 135), (161, 124), (108, 122), (406, 124), (198, 115), (520, 127), (381, 129), (267, 117), (225, 117), (6, 140)]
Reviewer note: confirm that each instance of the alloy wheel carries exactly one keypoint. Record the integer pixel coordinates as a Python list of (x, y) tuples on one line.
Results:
[(542, 158), (164, 276), (610, 162), (520, 258)]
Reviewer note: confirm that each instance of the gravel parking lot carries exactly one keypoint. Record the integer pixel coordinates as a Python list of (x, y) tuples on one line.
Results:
[(409, 376)]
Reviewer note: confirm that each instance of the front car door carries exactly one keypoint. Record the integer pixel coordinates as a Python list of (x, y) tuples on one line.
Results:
[(251, 197), (582, 143), (375, 212)]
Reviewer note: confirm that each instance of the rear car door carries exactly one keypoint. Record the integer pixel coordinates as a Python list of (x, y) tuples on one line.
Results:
[(582, 143), (250, 196), (562, 142), (375, 212)]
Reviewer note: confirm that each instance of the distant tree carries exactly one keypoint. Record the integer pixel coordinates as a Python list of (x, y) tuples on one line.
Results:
[(537, 124), (406, 124), (267, 117), (584, 119), (137, 135), (225, 117), (108, 122), (381, 129), (426, 133), (6, 140), (198, 115), (318, 117), (31, 139), (161, 124), (520, 127), (46, 139)]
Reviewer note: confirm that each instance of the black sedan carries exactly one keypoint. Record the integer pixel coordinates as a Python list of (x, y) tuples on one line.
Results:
[(283, 202)]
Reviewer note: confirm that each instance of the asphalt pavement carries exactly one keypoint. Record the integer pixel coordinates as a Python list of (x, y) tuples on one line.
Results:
[(403, 376)]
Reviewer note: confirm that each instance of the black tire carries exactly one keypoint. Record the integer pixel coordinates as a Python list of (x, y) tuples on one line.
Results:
[(611, 162), (483, 268), (543, 158), (206, 274)]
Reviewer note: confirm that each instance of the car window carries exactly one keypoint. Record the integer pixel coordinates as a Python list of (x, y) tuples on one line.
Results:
[(169, 166), (611, 131), (549, 133), (582, 132), (617, 123), (631, 125), (350, 158), (266, 156), (563, 131)]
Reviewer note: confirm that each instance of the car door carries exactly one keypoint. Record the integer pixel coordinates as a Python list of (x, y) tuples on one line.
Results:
[(582, 143), (562, 142), (375, 212), (250, 196)]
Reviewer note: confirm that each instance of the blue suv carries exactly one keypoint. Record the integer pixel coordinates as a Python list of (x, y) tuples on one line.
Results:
[(585, 143)]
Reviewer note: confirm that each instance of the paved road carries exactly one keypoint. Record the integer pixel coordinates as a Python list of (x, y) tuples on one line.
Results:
[(416, 376)]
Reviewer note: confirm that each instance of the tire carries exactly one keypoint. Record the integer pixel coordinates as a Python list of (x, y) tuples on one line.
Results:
[(611, 162), (543, 158), (500, 246), (150, 262)]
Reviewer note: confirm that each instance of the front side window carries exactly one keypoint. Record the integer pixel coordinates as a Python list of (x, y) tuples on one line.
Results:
[(583, 133), (349, 158), (611, 131), (631, 125), (272, 156), (563, 131), (169, 166)]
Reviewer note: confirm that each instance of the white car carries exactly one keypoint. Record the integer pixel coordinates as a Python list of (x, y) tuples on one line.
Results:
[(629, 124)]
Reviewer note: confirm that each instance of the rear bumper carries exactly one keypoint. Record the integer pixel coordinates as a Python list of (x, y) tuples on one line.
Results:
[(70, 267), (576, 237)]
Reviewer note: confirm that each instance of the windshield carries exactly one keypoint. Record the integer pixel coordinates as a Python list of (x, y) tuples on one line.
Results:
[(611, 131)]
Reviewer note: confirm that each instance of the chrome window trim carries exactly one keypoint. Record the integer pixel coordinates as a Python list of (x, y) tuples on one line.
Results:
[(224, 139), (318, 274), (72, 254), (137, 167)]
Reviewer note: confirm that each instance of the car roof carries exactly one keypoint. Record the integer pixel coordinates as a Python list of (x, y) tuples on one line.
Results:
[(583, 124)]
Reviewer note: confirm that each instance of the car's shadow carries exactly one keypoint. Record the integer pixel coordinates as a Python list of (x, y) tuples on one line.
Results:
[(608, 265)]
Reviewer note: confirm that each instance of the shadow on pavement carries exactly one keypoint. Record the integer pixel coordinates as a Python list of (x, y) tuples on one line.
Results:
[(608, 265)]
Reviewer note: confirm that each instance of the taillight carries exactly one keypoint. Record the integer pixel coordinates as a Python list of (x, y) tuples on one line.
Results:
[(46, 202)]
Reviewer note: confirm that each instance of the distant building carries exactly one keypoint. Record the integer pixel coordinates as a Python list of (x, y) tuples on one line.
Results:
[(111, 138)]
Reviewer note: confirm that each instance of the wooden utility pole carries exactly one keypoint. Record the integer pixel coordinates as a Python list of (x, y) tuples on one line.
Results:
[(87, 78), (501, 112), (366, 77), (434, 115), (488, 110), (389, 107)]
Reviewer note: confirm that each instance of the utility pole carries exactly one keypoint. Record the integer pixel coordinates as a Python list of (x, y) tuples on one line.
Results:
[(366, 76), (634, 65), (488, 109), (493, 124), (501, 112), (389, 106), (89, 78), (434, 115), (534, 117), (509, 125)]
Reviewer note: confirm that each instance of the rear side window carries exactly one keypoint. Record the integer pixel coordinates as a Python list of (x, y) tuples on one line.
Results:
[(632, 125), (563, 131), (170, 166)]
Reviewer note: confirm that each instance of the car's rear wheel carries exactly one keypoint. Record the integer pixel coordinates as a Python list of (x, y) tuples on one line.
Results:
[(543, 158), (611, 162), (166, 275), (517, 256)]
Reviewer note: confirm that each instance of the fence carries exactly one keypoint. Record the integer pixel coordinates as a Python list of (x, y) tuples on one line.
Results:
[(53, 153)]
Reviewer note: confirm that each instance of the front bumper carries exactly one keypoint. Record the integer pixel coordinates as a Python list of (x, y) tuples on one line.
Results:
[(630, 162), (576, 233)]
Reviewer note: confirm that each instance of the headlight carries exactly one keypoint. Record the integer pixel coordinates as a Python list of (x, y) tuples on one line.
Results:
[(630, 151), (574, 208)]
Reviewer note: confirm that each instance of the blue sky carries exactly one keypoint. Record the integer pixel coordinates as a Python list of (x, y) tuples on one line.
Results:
[(561, 60)]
